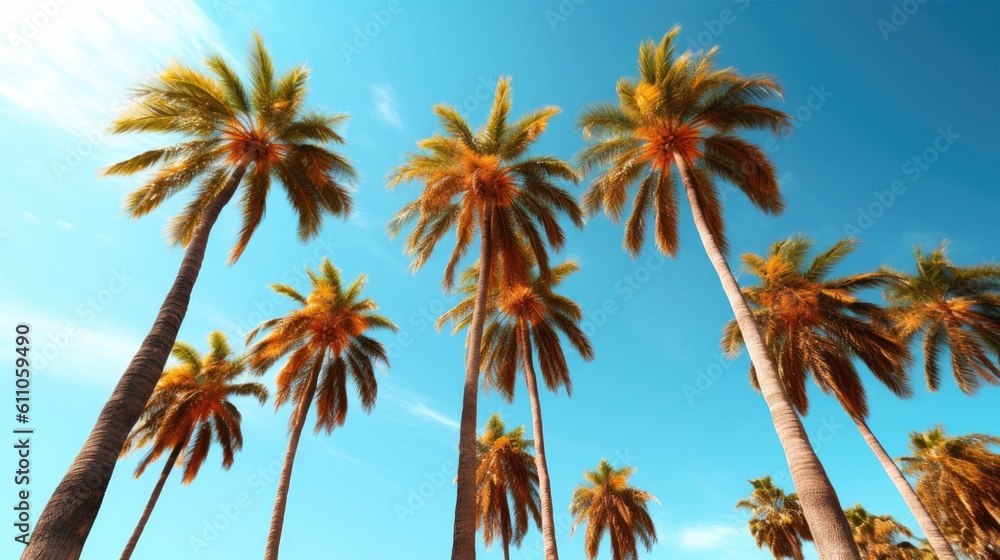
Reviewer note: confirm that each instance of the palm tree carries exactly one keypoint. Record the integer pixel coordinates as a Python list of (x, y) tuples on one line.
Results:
[(523, 320), (682, 115), (608, 504), (505, 479), (189, 407), (951, 307), (483, 182), (326, 343), (777, 521), (232, 135), (880, 537), (815, 326), (959, 480)]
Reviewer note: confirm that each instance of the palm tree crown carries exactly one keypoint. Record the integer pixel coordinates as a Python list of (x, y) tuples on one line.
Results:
[(190, 408), (681, 110), (880, 537), (484, 181), (951, 307), (816, 325), (534, 306), (608, 504), (261, 129), (777, 520), (506, 483), (959, 480)]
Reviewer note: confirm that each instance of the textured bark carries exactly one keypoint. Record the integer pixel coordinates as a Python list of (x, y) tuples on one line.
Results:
[(823, 512), (69, 515), (464, 538), (927, 524), (134, 540), (541, 465), (281, 497)]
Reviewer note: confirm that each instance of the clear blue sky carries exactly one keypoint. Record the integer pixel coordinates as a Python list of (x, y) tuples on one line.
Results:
[(868, 99)]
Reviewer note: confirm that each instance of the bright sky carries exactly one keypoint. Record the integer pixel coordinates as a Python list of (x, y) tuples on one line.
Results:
[(868, 98)]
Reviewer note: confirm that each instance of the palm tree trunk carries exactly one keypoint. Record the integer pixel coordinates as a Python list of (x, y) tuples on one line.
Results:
[(506, 550), (464, 538), (281, 497), (927, 524), (68, 516), (544, 487), (824, 514), (134, 540)]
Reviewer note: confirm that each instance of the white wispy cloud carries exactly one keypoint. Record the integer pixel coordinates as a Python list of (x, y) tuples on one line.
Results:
[(386, 108), (29, 217), (712, 539), (72, 67), (65, 225), (414, 405)]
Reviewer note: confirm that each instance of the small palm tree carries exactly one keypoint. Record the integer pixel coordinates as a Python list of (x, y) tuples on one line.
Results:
[(679, 124), (506, 480), (608, 504), (188, 409), (880, 537), (959, 480), (815, 326), (951, 307), (777, 520), (233, 135), (326, 344), (524, 320), (484, 183)]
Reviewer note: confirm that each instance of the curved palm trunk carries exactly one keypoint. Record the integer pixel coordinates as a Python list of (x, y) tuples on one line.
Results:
[(927, 524), (822, 508), (281, 497), (544, 487), (69, 514), (464, 538), (506, 550), (134, 540)]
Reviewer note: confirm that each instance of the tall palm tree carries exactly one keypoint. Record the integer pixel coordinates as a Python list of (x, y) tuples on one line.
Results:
[(524, 320), (681, 116), (188, 409), (608, 504), (959, 480), (505, 479), (880, 537), (326, 343), (951, 307), (815, 326), (232, 135), (777, 521), (483, 182)]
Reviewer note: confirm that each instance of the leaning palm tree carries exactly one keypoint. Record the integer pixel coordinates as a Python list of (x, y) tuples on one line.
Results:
[(524, 320), (880, 537), (959, 480), (483, 183), (188, 409), (608, 504), (955, 308), (326, 343), (679, 121), (815, 326), (232, 134), (776, 521), (506, 479)]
